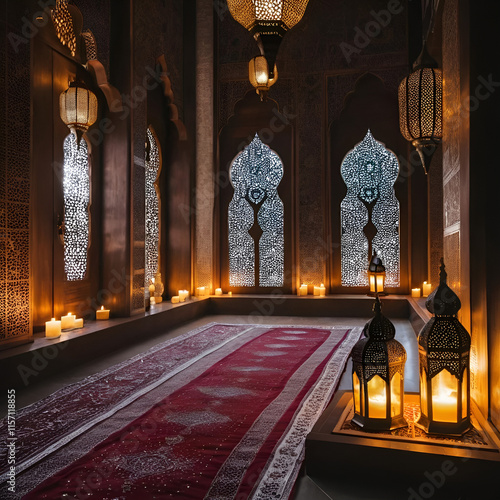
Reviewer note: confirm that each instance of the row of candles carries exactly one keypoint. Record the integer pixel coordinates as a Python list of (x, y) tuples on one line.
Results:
[(318, 291), (424, 291), (54, 328)]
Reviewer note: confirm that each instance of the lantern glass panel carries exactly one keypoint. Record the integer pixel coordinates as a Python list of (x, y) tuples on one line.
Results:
[(423, 392), (372, 283), (465, 384), (444, 397), (356, 389), (380, 283), (377, 397), (396, 394)]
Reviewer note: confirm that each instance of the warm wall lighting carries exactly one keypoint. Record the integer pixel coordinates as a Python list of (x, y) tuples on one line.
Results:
[(444, 352), (376, 276), (78, 108), (258, 74), (378, 376), (420, 107), (268, 22)]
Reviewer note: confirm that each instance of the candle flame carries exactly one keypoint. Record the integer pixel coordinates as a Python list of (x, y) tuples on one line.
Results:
[(102, 308)]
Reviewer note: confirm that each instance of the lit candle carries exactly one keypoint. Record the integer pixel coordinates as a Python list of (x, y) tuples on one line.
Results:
[(322, 290), (377, 406), (444, 408), (426, 289), (102, 313), (52, 329), (68, 321), (183, 295), (218, 291), (175, 299), (303, 289), (78, 323), (316, 291), (230, 294), (415, 293), (200, 291)]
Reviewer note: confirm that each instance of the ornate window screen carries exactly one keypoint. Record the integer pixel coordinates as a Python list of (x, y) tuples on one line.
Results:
[(255, 175), (152, 173), (76, 189), (369, 172)]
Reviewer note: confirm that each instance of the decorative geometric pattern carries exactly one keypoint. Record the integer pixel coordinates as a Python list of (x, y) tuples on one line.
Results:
[(63, 24), (255, 175), (90, 45), (76, 189), (152, 173), (369, 172)]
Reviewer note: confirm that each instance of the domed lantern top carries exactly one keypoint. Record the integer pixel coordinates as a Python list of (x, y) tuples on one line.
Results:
[(443, 301), (268, 21)]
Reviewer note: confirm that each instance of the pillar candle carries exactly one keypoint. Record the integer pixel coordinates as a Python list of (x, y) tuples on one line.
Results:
[(102, 313), (426, 289), (415, 293), (68, 321), (303, 289), (78, 323), (52, 329), (230, 294), (322, 290), (183, 295), (175, 299), (200, 291), (316, 291), (218, 291)]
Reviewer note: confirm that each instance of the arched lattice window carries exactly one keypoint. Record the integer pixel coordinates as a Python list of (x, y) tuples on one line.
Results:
[(152, 199), (256, 218), (369, 213), (76, 191)]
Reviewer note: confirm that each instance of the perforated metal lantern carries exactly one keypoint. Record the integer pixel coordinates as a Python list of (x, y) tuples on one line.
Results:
[(268, 21), (78, 108), (420, 107), (444, 355), (376, 276), (378, 376)]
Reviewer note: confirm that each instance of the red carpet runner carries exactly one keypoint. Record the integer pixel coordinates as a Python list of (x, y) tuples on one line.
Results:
[(235, 431)]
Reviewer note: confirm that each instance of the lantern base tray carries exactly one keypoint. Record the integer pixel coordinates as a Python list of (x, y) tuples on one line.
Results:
[(441, 428), (344, 461)]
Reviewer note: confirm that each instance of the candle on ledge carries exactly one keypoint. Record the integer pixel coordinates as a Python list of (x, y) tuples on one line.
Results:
[(102, 313), (183, 295), (201, 290), (322, 290), (303, 289), (426, 289), (218, 291), (52, 329), (230, 294), (415, 293), (78, 323), (68, 321), (316, 291), (175, 299)]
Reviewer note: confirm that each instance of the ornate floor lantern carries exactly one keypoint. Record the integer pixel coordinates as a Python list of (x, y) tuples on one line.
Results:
[(378, 376), (420, 107), (444, 352)]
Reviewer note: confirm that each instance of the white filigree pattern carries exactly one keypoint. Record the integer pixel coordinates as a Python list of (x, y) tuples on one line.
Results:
[(369, 172), (255, 174)]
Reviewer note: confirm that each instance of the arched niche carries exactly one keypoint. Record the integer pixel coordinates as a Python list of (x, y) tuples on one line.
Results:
[(259, 125), (173, 182), (369, 106)]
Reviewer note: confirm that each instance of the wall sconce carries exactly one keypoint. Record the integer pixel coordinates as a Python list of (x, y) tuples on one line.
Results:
[(444, 353), (378, 376), (268, 22), (258, 74), (376, 276), (420, 107), (78, 108)]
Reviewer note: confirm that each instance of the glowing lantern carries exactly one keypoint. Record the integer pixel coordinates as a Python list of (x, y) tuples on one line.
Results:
[(376, 276), (444, 352), (378, 376), (78, 108), (258, 74)]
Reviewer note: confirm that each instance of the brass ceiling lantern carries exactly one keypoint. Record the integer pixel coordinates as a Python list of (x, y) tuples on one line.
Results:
[(78, 108), (258, 74), (421, 107), (268, 21), (444, 355)]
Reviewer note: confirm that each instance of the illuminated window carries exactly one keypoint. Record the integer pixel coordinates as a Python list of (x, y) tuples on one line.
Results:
[(76, 189), (369, 172), (256, 218), (152, 174)]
